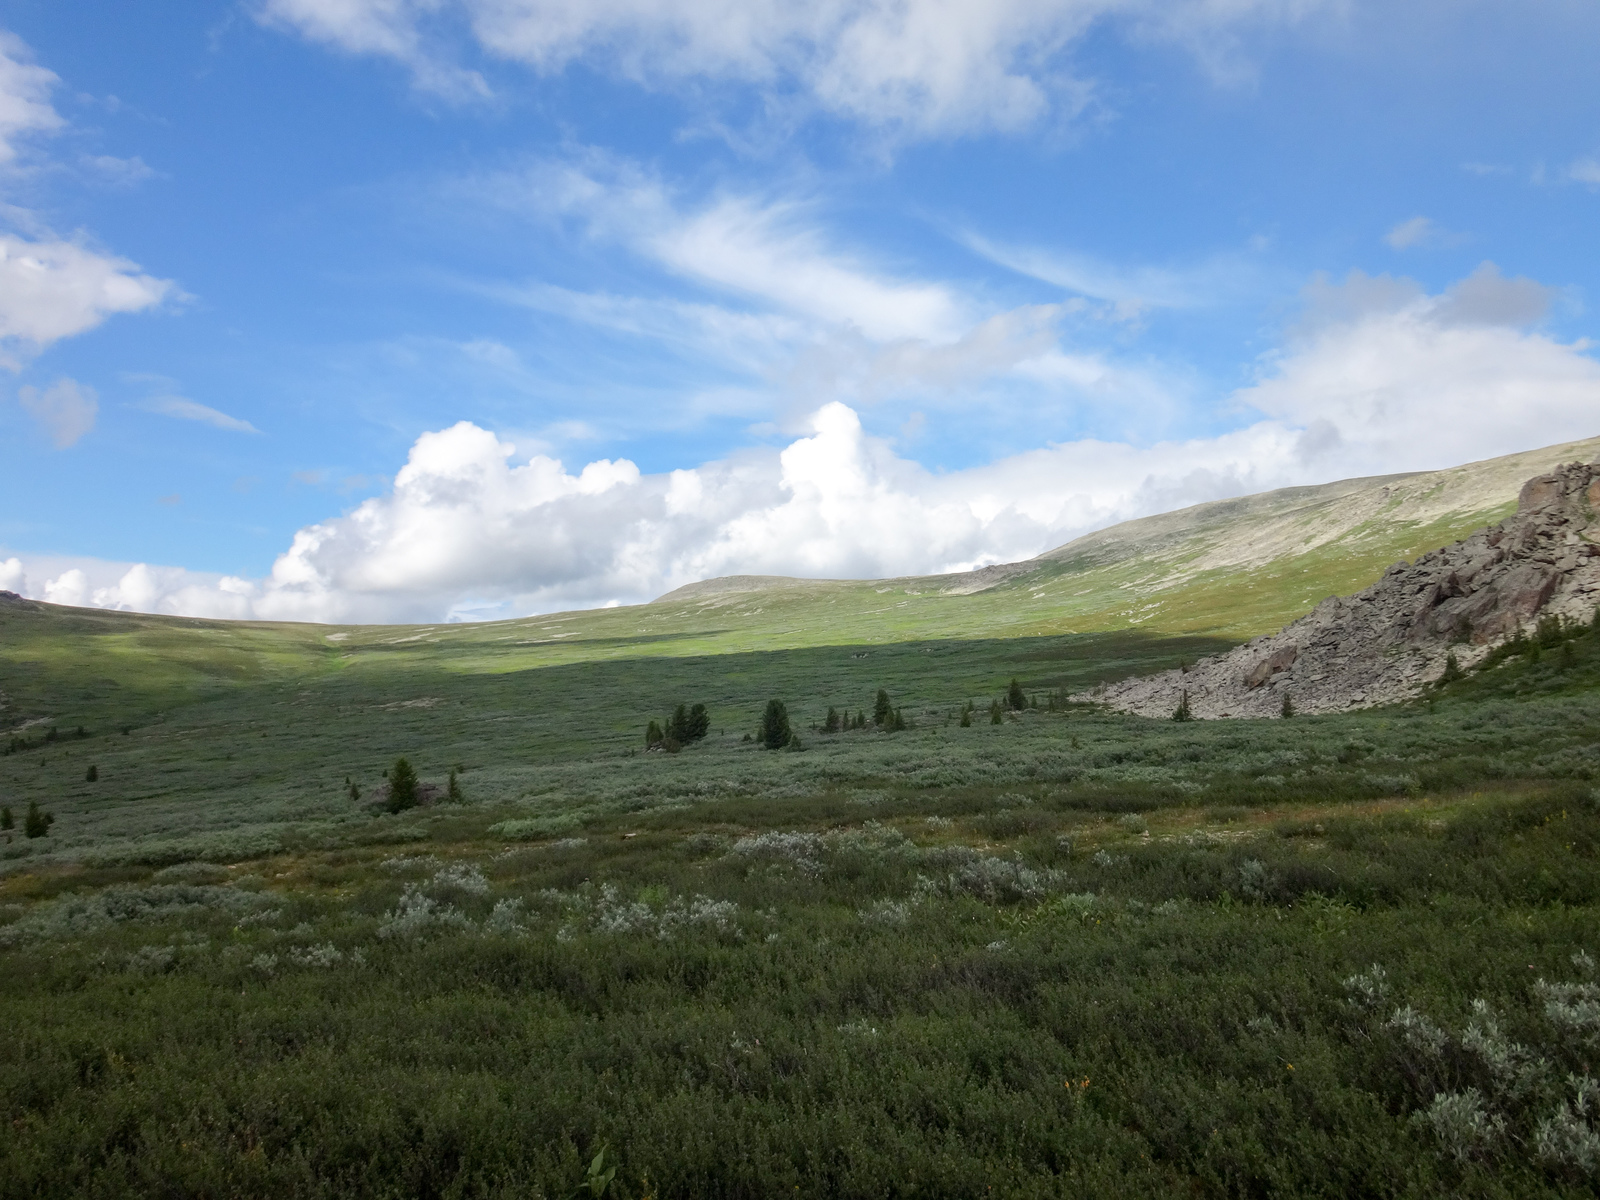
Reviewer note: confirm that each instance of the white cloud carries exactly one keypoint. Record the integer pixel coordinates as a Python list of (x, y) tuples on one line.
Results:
[(923, 67), (51, 290), (1415, 232), (25, 89), (12, 576), (1585, 170), (190, 410), (66, 410), (1380, 377)]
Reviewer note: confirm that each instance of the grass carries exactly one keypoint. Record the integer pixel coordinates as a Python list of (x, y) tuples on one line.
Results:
[(1076, 952)]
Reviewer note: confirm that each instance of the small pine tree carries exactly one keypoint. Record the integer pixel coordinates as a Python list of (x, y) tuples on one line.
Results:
[(355, 792), (699, 723), (1452, 670), (861, 719), (966, 716), (1015, 700), (775, 731), (897, 723), (453, 792), (880, 709), (1182, 713), (36, 823), (92, 775), (1287, 710), (653, 735), (996, 713), (678, 724), (402, 786), (831, 725), (7, 821), (1569, 656)]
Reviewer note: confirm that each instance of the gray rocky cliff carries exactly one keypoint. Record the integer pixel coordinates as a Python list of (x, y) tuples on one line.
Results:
[(1389, 642)]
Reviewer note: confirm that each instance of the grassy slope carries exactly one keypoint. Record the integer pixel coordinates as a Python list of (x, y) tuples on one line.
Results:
[(1164, 910)]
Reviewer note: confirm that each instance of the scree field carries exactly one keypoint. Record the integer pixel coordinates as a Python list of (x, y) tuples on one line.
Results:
[(1042, 951)]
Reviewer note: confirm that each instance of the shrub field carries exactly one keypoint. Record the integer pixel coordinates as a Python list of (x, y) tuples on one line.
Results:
[(1069, 954)]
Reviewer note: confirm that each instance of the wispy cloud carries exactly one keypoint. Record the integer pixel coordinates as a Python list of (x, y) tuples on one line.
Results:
[(190, 410)]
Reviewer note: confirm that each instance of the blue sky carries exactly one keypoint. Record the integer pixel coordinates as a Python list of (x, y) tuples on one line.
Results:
[(406, 310)]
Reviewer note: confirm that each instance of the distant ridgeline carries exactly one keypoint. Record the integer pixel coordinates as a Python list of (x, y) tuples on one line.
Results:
[(1539, 568)]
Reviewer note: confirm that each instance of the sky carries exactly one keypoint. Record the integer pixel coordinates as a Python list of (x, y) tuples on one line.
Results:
[(429, 310)]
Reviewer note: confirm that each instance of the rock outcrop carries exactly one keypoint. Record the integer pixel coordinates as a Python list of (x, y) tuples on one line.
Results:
[(1388, 642)]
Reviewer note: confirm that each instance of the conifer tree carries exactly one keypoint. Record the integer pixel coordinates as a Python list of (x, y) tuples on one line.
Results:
[(7, 821), (996, 713), (1182, 713), (36, 823), (831, 724), (699, 723), (1015, 700), (678, 726), (1288, 706), (1452, 669), (453, 792), (775, 731), (880, 709), (653, 735), (92, 775), (355, 792), (861, 719), (402, 786), (966, 715)]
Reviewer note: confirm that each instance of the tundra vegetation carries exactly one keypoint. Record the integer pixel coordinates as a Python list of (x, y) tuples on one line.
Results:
[(1060, 952)]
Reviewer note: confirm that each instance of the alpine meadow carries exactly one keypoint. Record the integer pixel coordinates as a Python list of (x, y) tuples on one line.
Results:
[(519, 908)]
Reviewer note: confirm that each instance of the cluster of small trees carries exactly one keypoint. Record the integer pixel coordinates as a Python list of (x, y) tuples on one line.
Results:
[(687, 724), (35, 823), (405, 790)]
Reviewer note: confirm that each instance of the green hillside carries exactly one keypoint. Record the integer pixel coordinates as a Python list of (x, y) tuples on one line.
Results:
[(1041, 951)]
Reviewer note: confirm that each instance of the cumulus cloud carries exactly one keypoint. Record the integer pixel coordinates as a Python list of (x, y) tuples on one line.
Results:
[(1381, 376), (51, 290), (66, 410), (926, 67), (192, 410), (12, 576), (25, 89), (1585, 170), (1390, 377)]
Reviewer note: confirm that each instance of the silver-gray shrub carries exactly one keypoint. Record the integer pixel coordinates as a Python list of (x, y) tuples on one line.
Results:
[(464, 877), (1573, 1008), (1368, 990), (417, 914), (1568, 1137), (1462, 1124), (1417, 1031), (75, 916), (152, 960), (324, 955)]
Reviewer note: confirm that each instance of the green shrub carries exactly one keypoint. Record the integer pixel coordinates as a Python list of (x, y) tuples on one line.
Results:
[(36, 823)]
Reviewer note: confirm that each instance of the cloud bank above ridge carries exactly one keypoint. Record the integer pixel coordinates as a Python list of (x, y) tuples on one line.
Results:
[(1378, 377)]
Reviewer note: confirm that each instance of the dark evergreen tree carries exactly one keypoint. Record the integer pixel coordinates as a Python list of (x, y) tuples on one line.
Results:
[(880, 709), (453, 792), (7, 821), (402, 786), (355, 792), (1287, 710), (36, 823), (92, 775), (678, 726), (775, 732), (1182, 713), (966, 715), (861, 719), (1015, 700), (831, 725), (996, 713), (699, 723), (653, 735)]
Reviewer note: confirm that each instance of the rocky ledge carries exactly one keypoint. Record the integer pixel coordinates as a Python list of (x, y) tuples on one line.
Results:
[(1390, 641)]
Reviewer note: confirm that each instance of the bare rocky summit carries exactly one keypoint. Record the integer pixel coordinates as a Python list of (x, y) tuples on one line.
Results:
[(1389, 642)]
